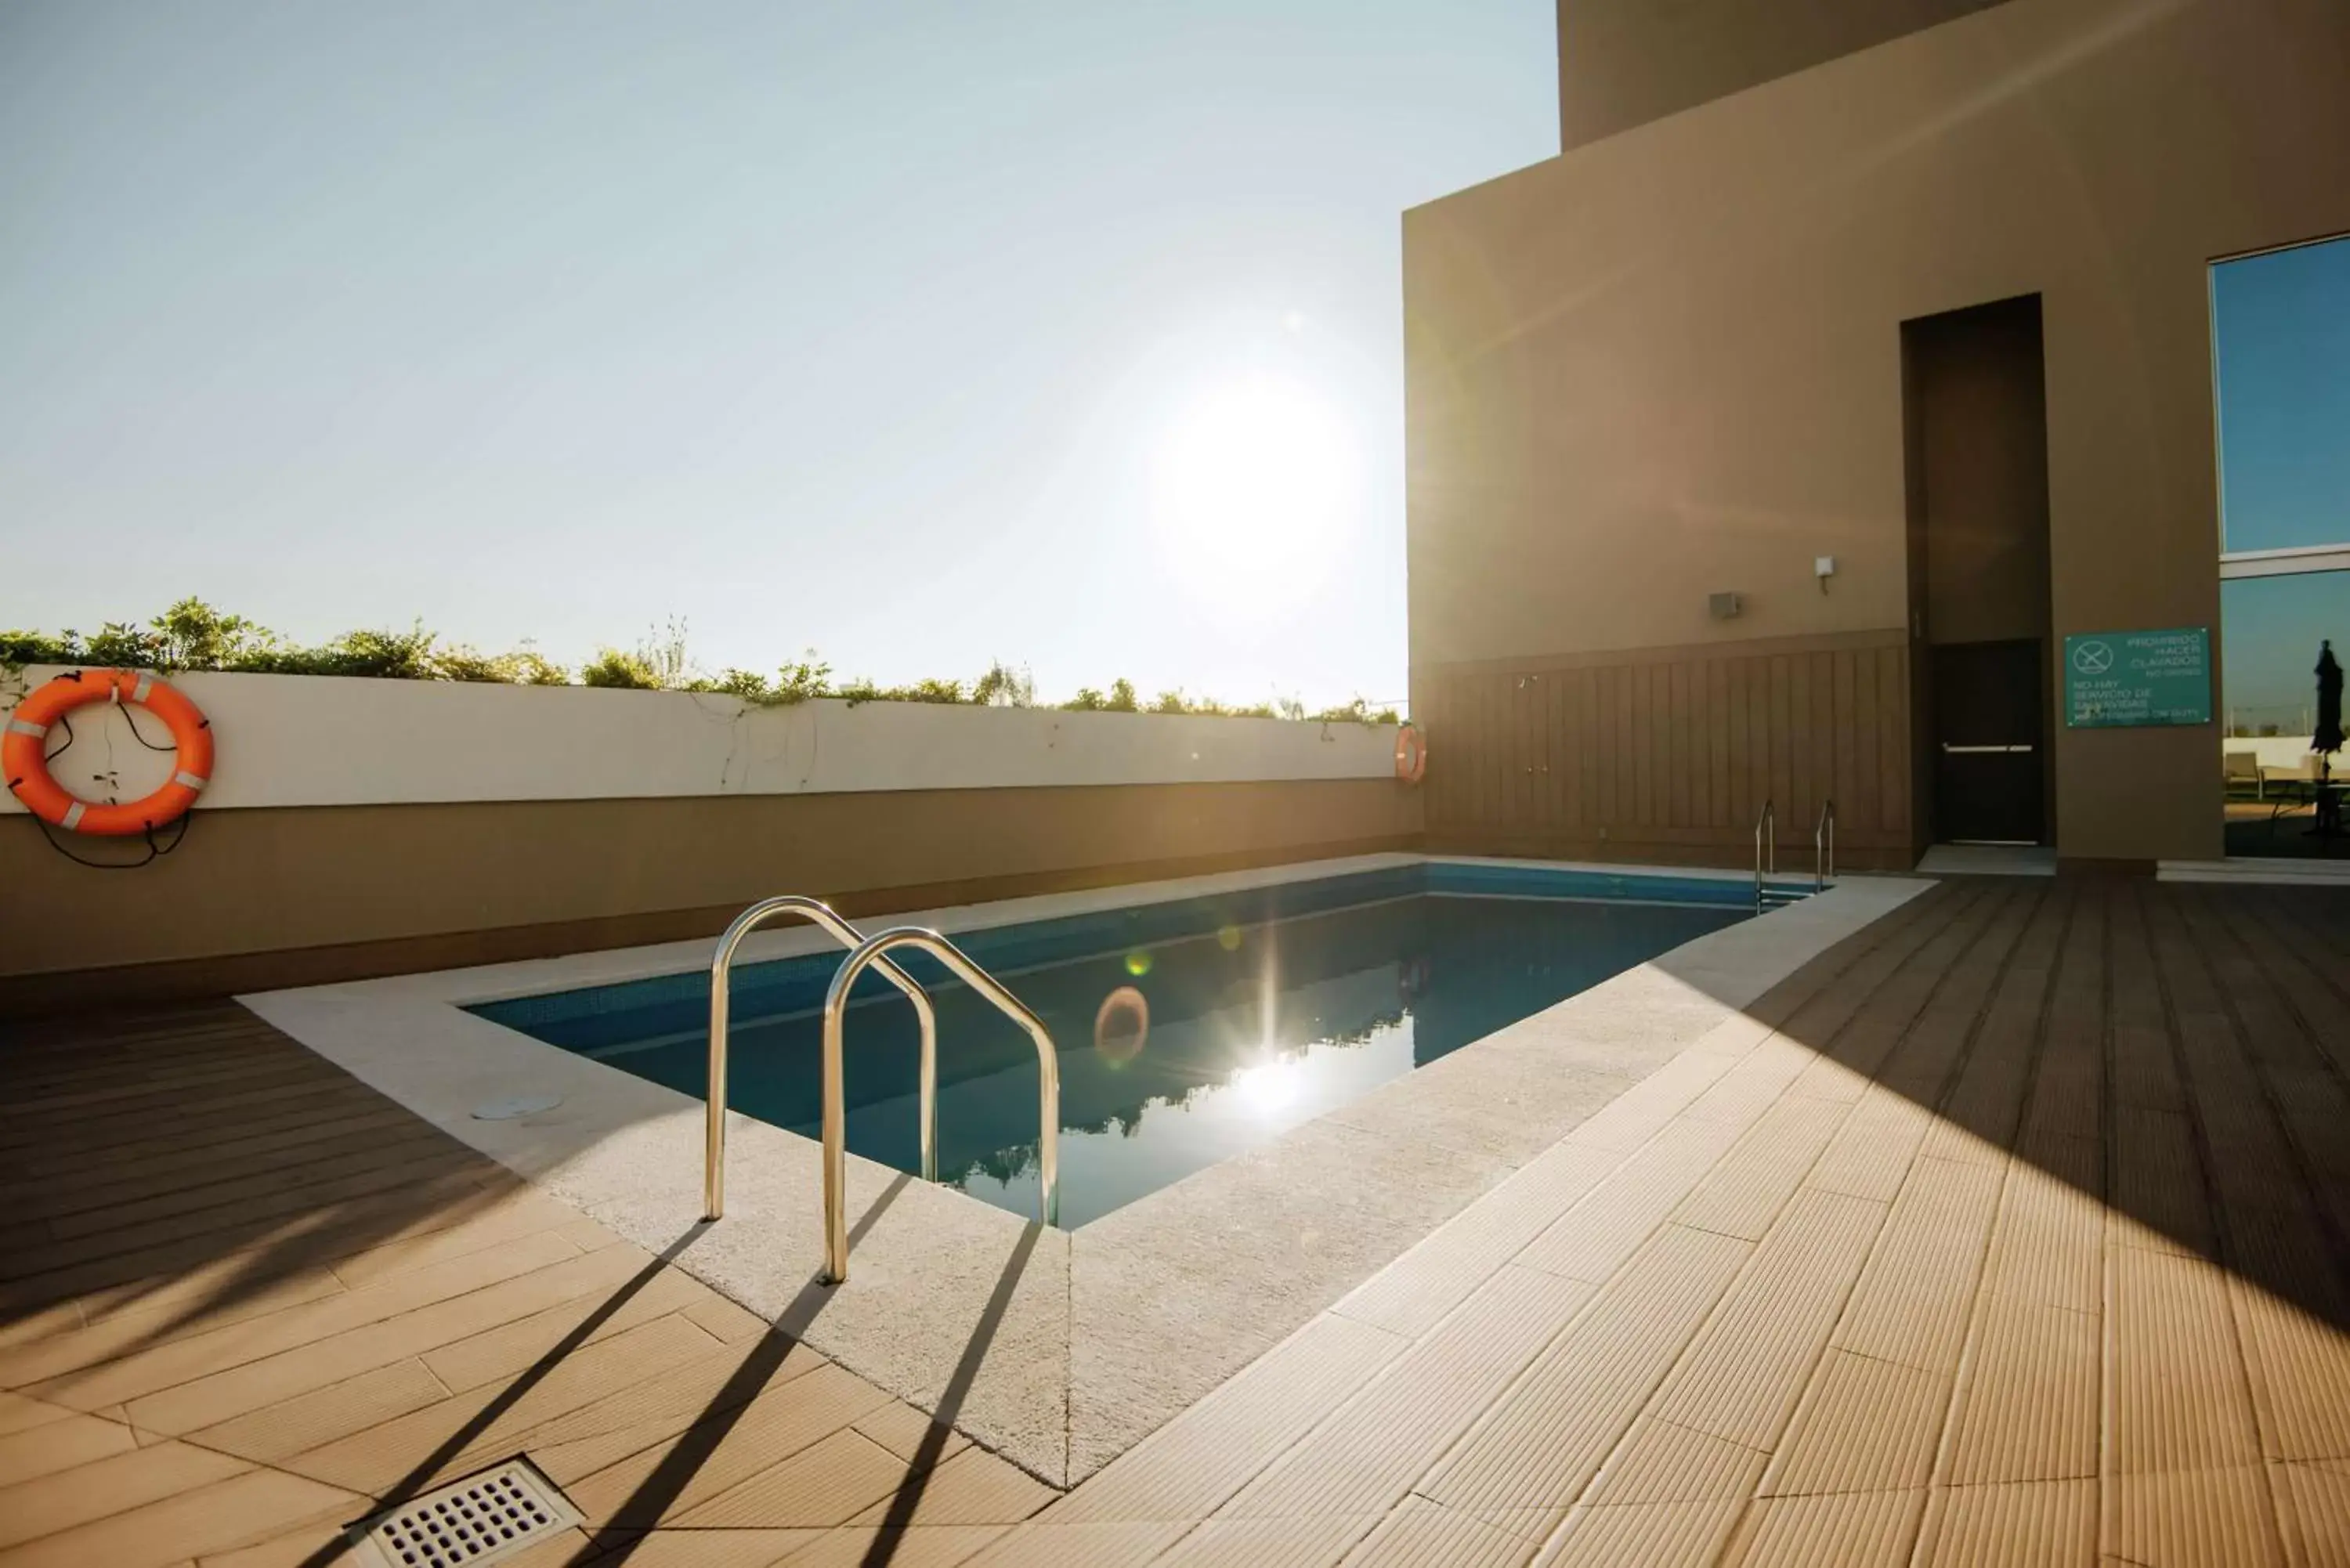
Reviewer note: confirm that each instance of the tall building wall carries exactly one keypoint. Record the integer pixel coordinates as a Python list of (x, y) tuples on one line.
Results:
[(1670, 364), (1622, 63)]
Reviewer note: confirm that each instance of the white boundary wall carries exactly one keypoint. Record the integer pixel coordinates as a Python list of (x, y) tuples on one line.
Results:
[(302, 740)]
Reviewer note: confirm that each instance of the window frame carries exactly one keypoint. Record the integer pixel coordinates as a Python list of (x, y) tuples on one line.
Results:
[(2294, 560)]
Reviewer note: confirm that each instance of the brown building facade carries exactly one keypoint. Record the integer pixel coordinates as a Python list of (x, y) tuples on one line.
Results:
[(1768, 444)]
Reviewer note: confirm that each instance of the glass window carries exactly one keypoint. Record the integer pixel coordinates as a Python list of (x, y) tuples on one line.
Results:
[(2280, 349), (2270, 630), (2281, 335)]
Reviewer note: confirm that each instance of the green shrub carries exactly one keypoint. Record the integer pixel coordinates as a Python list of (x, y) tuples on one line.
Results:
[(523, 666), (411, 655), (611, 667), (748, 684), (40, 648), (662, 655), (386, 655), (1004, 687), (459, 662), (866, 689), (1119, 699), (1356, 712), (123, 646), (528, 666), (798, 682), (192, 635), (1175, 702)]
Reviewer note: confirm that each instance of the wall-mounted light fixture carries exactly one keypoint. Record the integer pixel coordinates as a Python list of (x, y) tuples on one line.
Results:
[(1824, 568), (1723, 606)]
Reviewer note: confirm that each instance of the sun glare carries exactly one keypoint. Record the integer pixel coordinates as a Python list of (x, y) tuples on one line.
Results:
[(1253, 487), (1269, 1087)]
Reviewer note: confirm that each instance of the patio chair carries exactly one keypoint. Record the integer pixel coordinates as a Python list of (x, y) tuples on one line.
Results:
[(2289, 790), (2291, 782), (2241, 768)]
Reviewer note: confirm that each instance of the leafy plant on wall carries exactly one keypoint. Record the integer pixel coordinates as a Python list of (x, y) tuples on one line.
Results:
[(193, 635)]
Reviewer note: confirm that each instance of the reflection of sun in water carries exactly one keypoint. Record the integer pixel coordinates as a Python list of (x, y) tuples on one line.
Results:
[(1269, 1087), (1253, 490)]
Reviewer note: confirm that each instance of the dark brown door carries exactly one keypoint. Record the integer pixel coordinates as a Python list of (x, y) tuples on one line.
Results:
[(1987, 717)]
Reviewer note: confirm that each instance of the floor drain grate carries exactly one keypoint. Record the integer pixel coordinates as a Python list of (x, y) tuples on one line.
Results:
[(482, 1519)]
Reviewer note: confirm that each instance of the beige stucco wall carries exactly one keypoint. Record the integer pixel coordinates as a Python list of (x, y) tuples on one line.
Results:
[(1669, 363), (360, 827), (1622, 63), (304, 739), (266, 897)]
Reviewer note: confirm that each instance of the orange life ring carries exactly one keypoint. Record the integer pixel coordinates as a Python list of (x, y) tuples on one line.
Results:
[(23, 746), (1411, 754)]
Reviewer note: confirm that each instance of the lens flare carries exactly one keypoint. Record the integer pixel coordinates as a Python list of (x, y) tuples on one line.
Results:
[(1137, 964), (1115, 1046), (1229, 938)]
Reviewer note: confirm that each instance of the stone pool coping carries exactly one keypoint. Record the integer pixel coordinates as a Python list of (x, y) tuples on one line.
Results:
[(1059, 1350)]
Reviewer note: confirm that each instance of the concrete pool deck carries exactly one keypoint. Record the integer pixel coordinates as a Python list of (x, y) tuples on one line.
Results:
[(1061, 1350)]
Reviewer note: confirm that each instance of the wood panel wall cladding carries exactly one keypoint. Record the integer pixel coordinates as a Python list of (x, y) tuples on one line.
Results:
[(1668, 754)]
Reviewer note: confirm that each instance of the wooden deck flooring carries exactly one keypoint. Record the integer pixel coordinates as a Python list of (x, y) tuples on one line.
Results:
[(2015, 1231)]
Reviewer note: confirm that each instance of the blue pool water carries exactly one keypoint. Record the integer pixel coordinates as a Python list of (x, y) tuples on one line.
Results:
[(1265, 1007)]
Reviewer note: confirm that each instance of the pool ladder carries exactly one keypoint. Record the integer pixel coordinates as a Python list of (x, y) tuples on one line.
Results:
[(1766, 857), (868, 952)]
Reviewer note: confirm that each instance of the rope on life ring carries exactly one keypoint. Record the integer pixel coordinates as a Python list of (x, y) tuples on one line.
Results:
[(1411, 754), (24, 752)]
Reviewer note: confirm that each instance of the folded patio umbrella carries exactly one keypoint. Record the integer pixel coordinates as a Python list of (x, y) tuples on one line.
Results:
[(2328, 739)]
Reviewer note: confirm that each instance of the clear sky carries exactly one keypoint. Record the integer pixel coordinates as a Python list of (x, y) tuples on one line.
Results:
[(2282, 333), (922, 334)]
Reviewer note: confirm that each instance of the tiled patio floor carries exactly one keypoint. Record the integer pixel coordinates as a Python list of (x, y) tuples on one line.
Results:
[(2011, 1231), (247, 1299)]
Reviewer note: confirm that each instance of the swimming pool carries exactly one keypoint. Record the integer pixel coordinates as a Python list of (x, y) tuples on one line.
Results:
[(1188, 1031)]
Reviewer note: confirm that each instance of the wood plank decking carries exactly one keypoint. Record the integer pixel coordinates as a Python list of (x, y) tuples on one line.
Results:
[(2015, 1231)]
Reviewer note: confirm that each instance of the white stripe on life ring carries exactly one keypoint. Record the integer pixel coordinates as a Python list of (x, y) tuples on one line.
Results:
[(25, 727), (191, 780), (73, 816), (146, 684)]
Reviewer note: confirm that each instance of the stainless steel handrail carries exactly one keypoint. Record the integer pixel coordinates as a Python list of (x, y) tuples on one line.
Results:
[(820, 915), (1824, 847), (836, 1110), (1766, 831)]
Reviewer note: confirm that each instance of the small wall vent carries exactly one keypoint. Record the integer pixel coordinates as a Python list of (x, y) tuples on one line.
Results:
[(485, 1518)]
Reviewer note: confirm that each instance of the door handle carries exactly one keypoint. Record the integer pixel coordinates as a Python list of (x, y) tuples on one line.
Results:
[(1976, 750)]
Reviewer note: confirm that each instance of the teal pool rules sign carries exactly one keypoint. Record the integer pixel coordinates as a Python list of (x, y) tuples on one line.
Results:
[(2124, 678)]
